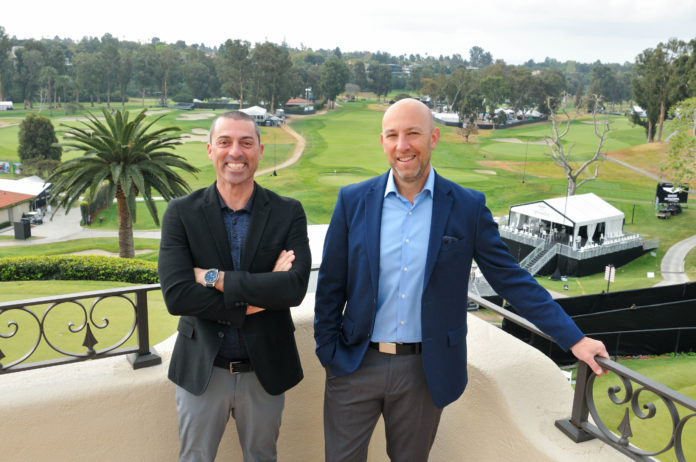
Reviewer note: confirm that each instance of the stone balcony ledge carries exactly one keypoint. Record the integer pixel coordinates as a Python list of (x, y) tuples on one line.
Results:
[(104, 410)]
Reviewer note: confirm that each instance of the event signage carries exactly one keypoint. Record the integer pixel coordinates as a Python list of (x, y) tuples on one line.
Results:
[(667, 193)]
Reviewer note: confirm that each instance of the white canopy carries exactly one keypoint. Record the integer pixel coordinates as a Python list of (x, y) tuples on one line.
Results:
[(574, 211), (254, 111)]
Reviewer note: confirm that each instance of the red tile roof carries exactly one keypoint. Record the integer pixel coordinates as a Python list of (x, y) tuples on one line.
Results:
[(10, 198)]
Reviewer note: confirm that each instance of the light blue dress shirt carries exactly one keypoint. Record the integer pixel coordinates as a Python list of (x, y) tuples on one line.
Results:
[(403, 249)]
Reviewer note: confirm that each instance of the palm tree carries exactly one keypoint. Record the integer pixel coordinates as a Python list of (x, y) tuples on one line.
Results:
[(125, 157)]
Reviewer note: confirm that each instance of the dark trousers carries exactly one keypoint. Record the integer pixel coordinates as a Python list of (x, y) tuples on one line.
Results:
[(393, 386)]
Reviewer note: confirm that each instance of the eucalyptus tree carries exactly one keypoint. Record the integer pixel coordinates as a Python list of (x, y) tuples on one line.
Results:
[(334, 76), (234, 68), (125, 157)]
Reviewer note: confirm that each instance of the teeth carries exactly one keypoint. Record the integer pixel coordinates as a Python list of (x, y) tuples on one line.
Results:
[(235, 165), (406, 159)]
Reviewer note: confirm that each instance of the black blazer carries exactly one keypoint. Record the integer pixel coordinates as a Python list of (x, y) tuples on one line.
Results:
[(194, 235)]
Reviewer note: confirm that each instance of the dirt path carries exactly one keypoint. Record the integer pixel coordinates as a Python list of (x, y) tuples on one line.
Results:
[(296, 154)]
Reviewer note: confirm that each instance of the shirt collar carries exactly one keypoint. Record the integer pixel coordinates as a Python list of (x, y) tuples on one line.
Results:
[(246, 208), (429, 183)]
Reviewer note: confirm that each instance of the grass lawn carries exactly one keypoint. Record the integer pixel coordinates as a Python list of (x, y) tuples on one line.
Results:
[(118, 312), (677, 373)]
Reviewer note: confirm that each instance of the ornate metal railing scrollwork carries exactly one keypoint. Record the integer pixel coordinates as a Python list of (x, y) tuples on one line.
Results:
[(579, 427), (135, 298)]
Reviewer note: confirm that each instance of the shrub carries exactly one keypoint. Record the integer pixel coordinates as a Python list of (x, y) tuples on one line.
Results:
[(78, 268)]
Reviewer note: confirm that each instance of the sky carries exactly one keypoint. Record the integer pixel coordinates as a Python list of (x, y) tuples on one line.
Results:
[(611, 31)]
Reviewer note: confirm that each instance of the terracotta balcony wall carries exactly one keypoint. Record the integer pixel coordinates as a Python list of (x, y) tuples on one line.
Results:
[(104, 410)]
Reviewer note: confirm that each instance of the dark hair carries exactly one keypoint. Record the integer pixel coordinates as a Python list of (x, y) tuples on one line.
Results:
[(234, 115)]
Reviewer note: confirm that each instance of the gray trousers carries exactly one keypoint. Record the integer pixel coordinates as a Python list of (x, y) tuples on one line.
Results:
[(391, 385), (202, 419)]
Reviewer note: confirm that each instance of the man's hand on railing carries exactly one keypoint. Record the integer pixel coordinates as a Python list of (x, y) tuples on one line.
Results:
[(586, 350)]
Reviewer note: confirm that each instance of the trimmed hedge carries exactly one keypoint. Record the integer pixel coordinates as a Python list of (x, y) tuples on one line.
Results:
[(78, 268)]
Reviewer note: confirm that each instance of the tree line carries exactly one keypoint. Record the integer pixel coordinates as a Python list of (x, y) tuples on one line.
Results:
[(56, 71)]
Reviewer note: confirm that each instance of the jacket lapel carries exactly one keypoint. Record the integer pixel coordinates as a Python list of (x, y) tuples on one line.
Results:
[(259, 219), (216, 226), (442, 205), (373, 223)]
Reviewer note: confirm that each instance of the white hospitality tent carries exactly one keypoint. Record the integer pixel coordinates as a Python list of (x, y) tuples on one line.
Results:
[(576, 212), (258, 113)]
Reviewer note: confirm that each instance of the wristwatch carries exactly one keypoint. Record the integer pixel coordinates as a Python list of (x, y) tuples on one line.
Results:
[(211, 277)]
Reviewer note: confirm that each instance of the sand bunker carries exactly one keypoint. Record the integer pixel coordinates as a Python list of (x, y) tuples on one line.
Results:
[(486, 172), (518, 141), (197, 134), (196, 116)]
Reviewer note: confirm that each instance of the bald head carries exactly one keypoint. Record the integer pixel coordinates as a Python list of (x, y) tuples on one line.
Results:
[(408, 107), (408, 137)]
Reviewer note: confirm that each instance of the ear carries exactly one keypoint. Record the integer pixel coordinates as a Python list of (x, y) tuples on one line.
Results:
[(209, 148), (260, 151), (434, 138)]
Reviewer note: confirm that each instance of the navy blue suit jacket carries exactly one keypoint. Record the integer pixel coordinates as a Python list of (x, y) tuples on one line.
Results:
[(462, 229)]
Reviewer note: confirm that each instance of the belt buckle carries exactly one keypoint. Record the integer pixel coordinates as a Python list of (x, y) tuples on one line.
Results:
[(232, 363), (389, 348)]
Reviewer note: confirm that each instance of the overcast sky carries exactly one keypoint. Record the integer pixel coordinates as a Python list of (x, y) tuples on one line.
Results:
[(515, 31)]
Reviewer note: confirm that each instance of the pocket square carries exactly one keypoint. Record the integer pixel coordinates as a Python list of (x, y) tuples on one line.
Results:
[(449, 239)]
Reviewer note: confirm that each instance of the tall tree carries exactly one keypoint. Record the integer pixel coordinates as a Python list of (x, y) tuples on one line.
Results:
[(334, 76), (479, 58), (88, 71), (145, 65), (5, 47), (127, 157), (29, 63), (380, 74), (169, 59), (656, 84), (110, 63), (359, 76), (124, 73), (48, 79), (272, 62), (234, 68)]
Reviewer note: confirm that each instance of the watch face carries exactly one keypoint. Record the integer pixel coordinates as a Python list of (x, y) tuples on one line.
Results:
[(211, 276)]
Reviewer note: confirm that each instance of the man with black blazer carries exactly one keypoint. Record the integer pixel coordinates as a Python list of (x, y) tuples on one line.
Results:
[(390, 310), (234, 257)]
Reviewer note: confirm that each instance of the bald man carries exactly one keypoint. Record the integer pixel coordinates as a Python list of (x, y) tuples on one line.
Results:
[(390, 311)]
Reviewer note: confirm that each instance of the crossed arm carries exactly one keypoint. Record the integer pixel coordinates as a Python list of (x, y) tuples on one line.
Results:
[(283, 263)]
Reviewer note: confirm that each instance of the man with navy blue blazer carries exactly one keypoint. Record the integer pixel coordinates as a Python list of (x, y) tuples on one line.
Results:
[(390, 311)]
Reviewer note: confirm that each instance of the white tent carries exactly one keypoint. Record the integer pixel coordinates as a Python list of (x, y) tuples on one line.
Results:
[(258, 113), (573, 211)]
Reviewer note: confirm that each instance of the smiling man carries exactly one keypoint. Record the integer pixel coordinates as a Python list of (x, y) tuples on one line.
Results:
[(390, 310), (234, 257)]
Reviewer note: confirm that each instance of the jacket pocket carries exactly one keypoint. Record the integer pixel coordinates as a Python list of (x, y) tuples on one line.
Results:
[(185, 328)]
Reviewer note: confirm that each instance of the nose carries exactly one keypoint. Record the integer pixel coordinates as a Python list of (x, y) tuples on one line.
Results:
[(235, 149), (402, 143)]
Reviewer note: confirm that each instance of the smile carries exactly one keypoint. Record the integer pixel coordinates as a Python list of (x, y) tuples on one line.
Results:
[(406, 159), (235, 165)]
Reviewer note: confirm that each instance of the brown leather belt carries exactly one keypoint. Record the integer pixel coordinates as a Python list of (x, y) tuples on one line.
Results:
[(235, 367), (397, 348)]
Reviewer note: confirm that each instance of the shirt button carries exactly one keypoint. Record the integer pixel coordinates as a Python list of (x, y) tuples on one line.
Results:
[(410, 213), (407, 241), (221, 334), (405, 268), (403, 295), (402, 323)]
